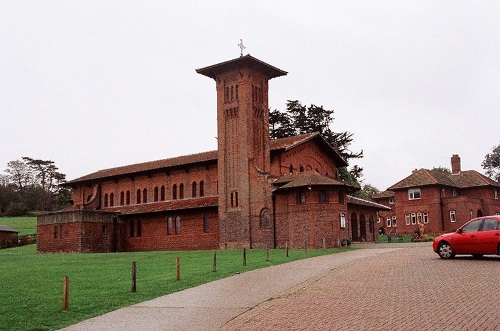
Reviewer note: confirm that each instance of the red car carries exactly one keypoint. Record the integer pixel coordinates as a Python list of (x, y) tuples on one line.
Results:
[(478, 237)]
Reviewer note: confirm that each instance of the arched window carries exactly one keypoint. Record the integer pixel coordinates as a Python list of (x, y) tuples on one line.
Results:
[(106, 200), (301, 169), (155, 194), (206, 224), (170, 226), (127, 201), (291, 169), (177, 225), (174, 192), (138, 197), (139, 228), (122, 198), (144, 195), (202, 189), (111, 199), (181, 191), (162, 193), (194, 188)]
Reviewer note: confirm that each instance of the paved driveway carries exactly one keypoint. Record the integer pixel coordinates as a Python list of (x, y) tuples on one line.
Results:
[(379, 287), (406, 289)]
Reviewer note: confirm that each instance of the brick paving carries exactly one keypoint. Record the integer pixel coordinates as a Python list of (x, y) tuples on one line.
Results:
[(407, 289)]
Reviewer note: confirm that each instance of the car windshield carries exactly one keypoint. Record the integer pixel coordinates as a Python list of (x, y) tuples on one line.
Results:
[(490, 224), (472, 226)]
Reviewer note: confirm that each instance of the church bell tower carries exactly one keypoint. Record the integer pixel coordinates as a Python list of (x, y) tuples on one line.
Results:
[(243, 145)]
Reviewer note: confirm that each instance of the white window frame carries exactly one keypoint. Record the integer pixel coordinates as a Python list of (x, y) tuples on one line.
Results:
[(388, 221), (342, 221), (394, 223), (455, 193), (426, 218), (413, 218), (453, 216), (419, 218), (495, 194), (392, 201), (414, 193), (407, 219)]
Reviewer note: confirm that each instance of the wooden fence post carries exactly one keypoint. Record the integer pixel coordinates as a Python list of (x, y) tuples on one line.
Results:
[(215, 261), (286, 248), (178, 268), (244, 256), (65, 304), (134, 276), (267, 254)]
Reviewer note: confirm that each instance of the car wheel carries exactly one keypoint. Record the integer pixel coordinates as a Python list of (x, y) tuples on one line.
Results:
[(445, 251)]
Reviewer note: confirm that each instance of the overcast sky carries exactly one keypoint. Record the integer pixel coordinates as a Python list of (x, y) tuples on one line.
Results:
[(98, 84)]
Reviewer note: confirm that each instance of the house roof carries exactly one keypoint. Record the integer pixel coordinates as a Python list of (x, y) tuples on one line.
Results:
[(241, 62), (5, 228), (384, 195), (306, 179), (366, 203), (276, 145), (426, 177), (192, 203)]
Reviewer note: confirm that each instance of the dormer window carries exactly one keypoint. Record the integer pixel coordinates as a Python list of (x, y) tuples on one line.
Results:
[(414, 193), (391, 201)]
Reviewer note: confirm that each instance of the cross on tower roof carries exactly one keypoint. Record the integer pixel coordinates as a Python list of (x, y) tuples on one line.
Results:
[(240, 45)]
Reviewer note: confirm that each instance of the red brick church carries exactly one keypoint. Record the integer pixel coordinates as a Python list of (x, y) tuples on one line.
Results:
[(251, 192)]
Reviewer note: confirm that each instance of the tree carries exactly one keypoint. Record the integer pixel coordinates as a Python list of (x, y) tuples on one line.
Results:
[(367, 192), (491, 163), (442, 169), (298, 119)]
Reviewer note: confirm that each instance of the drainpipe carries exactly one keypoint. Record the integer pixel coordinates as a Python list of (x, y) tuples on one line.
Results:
[(442, 208), (274, 220)]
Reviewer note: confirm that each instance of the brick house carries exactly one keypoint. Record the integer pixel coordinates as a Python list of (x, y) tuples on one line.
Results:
[(8, 236), (251, 192), (442, 201)]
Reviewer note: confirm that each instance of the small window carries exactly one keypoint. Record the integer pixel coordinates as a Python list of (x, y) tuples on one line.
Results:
[(128, 198), (414, 193), (452, 216), (394, 223), (174, 192), (202, 188), (388, 221), (413, 218), (234, 199), (105, 231), (138, 197), (181, 191), (391, 201), (290, 169), (419, 218), (495, 194), (426, 218), (342, 220), (139, 228), (106, 200), (111, 199), (155, 194), (162, 193), (301, 197), (145, 195), (206, 224), (56, 231), (407, 219), (265, 219), (177, 225), (170, 226), (301, 169), (122, 198), (194, 189), (322, 197), (455, 193)]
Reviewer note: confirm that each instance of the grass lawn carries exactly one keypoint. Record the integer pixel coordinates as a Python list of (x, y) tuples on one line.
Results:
[(32, 283), (23, 224)]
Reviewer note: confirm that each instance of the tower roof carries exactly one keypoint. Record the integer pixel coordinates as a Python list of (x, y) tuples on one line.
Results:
[(245, 61)]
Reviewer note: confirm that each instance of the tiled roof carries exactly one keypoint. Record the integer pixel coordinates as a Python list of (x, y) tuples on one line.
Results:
[(203, 202), (304, 179), (366, 203), (426, 177), (384, 195), (5, 228), (205, 157)]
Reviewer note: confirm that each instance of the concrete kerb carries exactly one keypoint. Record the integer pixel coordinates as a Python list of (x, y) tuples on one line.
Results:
[(210, 306)]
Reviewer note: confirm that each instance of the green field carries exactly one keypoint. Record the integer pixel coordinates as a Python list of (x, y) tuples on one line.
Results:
[(23, 224), (32, 284)]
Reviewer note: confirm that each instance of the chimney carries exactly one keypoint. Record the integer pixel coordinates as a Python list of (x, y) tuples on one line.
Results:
[(455, 164)]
